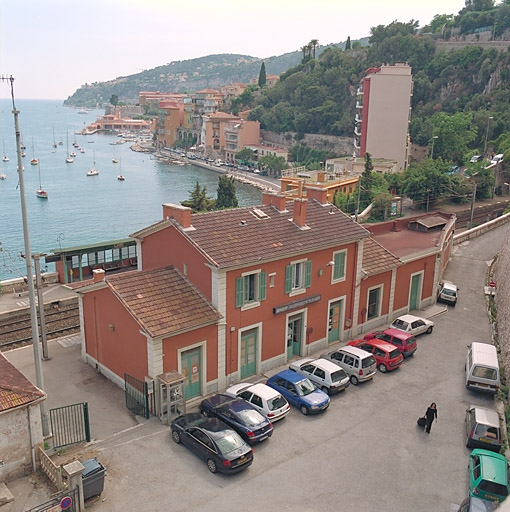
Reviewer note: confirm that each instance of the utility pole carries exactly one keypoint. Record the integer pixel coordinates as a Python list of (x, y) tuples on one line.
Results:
[(472, 206), (486, 136), (359, 198), (30, 275), (40, 300)]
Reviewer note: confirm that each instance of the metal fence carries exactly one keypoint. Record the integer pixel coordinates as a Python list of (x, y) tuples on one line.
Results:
[(65, 500), (70, 424), (137, 396)]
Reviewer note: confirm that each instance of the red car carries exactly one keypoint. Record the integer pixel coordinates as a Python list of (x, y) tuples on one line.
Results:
[(388, 356), (404, 341)]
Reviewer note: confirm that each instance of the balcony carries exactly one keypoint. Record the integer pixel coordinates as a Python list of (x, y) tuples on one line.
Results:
[(356, 143), (357, 132), (357, 119), (359, 105), (359, 92)]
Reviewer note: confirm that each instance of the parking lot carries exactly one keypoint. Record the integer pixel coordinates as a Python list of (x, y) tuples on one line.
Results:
[(364, 453)]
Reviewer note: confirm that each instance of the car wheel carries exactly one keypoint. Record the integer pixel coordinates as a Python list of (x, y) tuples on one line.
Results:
[(429, 330), (304, 409), (211, 465), (382, 368), (325, 389), (176, 436), (354, 380)]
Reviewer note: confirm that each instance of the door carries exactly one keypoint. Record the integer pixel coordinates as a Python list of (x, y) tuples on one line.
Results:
[(249, 353), (334, 320), (294, 335), (191, 370), (414, 300)]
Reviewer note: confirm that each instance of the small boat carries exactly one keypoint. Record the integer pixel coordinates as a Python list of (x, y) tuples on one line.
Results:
[(60, 143), (3, 176), (120, 177), (23, 153), (93, 171), (72, 154), (34, 160), (69, 158), (5, 158), (54, 141), (82, 111), (40, 192), (82, 150), (115, 160)]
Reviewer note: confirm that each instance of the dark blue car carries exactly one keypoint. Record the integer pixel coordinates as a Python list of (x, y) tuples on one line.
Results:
[(300, 392), (238, 414)]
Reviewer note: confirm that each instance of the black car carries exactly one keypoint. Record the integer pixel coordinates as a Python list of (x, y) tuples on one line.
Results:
[(209, 438), (240, 415)]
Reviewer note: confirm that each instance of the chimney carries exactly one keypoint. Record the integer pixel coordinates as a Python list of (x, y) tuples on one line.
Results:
[(299, 215), (182, 214), (320, 194), (98, 275), (277, 200)]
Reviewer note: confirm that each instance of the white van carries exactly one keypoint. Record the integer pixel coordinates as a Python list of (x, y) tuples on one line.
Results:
[(482, 368)]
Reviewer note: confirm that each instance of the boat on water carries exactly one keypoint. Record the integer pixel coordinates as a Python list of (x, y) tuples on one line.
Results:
[(120, 177), (93, 171), (82, 150), (73, 154), (33, 160), (69, 158), (54, 141), (3, 176), (83, 111), (40, 192), (5, 157)]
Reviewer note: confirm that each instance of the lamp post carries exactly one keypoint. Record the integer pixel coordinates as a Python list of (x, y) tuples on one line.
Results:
[(486, 135), (432, 150)]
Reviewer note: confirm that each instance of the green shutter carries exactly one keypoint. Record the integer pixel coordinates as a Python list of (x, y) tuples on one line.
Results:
[(239, 292), (262, 285), (339, 270), (308, 274), (288, 278)]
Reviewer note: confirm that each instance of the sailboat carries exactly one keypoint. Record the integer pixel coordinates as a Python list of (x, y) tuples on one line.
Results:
[(69, 159), (34, 160), (115, 160), (40, 192), (5, 158), (54, 141), (93, 171), (120, 177)]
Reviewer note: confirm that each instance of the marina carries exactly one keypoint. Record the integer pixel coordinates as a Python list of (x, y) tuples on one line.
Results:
[(80, 210)]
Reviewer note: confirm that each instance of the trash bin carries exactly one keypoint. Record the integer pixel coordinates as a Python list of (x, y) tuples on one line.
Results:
[(92, 478)]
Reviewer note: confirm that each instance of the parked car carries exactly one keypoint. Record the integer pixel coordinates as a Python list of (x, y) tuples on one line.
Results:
[(299, 391), (471, 504), (323, 373), (482, 428), (266, 400), (497, 158), (239, 415), (357, 363), (476, 158), (447, 293), (387, 356), (413, 324), (213, 441), (404, 341), (488, 475)]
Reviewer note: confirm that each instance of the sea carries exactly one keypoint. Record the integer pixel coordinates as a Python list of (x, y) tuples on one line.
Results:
[(83, 209)]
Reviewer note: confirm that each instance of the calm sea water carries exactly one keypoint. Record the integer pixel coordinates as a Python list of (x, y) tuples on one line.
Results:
[(83, 209)]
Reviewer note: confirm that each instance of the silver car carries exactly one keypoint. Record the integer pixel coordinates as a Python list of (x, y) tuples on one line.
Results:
[(359, 364), (325, 374)]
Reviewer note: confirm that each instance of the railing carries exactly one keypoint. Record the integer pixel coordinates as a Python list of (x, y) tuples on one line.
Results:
[(481, 229), (52, 471)]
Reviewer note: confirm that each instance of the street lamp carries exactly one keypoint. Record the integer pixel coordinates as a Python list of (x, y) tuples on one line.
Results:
[(432, 151), (486, 136)]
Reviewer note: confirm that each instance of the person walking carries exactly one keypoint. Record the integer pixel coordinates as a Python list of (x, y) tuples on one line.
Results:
[(430, 415)]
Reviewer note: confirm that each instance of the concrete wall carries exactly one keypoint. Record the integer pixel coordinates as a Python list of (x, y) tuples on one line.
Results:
[(341, 146)]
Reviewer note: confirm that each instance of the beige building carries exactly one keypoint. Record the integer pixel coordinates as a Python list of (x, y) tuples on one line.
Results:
[(349, 165), (383, 113), (264, 150)]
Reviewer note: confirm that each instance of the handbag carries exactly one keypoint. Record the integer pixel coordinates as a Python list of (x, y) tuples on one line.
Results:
[(422, 421)]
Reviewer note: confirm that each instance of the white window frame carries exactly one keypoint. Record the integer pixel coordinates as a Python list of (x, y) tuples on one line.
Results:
[(339, 279), (379, 287), (298, 290), (253, 303)]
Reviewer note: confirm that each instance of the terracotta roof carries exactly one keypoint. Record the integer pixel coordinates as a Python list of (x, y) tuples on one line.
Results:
[(245, 236), (377, 259), (162, 301), (15, 388)]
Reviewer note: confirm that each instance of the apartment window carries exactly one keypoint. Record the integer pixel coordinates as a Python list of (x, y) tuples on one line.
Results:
[(374, 303), (298, 276), (339, 259), (250, 289)]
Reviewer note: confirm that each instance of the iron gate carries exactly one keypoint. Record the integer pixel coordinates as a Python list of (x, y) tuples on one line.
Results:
[(70, 496), (137, 396), (70, 424)]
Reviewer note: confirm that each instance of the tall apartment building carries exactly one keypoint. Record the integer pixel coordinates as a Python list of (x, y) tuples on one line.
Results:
[(383, 113)]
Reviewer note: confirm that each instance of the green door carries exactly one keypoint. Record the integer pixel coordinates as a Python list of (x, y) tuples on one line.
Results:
[(335, 316), (415, 289), (192, 372), (294, 334), (249, 353)]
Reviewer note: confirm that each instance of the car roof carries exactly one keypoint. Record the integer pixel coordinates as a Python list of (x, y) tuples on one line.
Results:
[(486, 416), (195, 419), (323, 364), (448, 284), (397, 333), (238, 388), (383, 345), (494, 465), (290, 376), (263, 391), (408, 318), (354, 351)]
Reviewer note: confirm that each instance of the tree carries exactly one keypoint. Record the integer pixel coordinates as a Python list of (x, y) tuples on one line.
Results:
[(262, 75), (114, 100), (348, 43), (245, 154), (226, 193), (275, 164), (198, 201), (365, 182), (314, 44)]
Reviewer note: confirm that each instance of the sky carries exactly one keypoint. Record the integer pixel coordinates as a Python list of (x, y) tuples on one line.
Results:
[(52, 47)]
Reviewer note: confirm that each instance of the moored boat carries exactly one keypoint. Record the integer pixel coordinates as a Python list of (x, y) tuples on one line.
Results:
[(93, 171), (40, 192), (3, 176), (120, 177)]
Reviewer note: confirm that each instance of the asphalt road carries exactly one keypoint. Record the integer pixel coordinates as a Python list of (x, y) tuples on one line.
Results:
[(365, 453)]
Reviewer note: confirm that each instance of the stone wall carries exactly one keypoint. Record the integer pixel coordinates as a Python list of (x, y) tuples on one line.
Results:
[(340, 146)]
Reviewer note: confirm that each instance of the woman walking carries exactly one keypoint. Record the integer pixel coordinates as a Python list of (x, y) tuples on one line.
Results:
[(430, 415)]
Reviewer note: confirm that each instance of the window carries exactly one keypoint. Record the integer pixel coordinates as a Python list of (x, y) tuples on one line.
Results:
[(256, 400), (349, 360), (308, 368), (298, 276), (339, 259), (320, 373), (250, 289), (374, 303)]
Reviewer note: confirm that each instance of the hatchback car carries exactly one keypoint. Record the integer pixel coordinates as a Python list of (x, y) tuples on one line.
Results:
[(323, 373), (488, 475), (266, 400), (239, 415), (213, 441), (299, 391), (387, 356), (447, 293), (357, 363), (413, 324), (482, 428), (404, 341)]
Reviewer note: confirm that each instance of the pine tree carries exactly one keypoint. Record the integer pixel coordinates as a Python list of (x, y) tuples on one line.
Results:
[(226, 193), (348, 43), (262, 75)]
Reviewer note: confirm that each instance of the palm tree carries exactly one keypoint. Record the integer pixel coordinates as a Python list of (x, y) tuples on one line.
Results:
[(304, 49), (314, 43)]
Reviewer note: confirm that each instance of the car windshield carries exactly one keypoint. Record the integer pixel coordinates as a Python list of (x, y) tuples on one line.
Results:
[(305, 387), (394, 353), (368, 361), (338, 376), (250, 417), (482, 372), (276, 403), (400, 324), (229, 443), (493, 488), (448, 292)]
